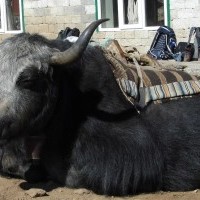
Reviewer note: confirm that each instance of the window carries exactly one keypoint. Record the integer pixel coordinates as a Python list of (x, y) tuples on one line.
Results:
[(10, 16), (125, 14), (1, 16)]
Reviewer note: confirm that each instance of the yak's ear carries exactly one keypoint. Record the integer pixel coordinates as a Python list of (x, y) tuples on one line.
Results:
[(76, 50)]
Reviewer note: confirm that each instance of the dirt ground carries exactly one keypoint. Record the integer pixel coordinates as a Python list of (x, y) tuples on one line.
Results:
[(16, 189)]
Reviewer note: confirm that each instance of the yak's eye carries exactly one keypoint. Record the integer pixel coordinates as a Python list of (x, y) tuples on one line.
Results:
[(33, 79)]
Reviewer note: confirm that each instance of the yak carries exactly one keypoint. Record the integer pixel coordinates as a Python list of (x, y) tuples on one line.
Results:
[(64, 118)]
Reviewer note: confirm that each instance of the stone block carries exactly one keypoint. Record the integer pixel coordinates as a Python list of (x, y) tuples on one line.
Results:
[(47, 11), (87, 2), (141, 34), (185, 39), (50, 20), (43, 3), (39, 12), (74, 2), (180, 23), (51, 28), (100, 41), (181, 33), (88, 19), (185, 13), (119, 34), (152, 34), (4, 36), (194, 22), (173, 14), (136, 42), (43, 28), (27, 4), (59, 27), (80, 26), (53, 3), (129, 34), (146, 42), (59, 11), (32, 28), (130, 42), (110, 34), (68, 10), (40, 20), (67, 19), (75, 19), (53, 11), (59, 19), (191, 4), (99, 35), (29, 12), (32, 20), (175, 5), (27, 20), (79, 9), (196, 12), (90, 9), (34, 4), (50, 35), (66, 3)]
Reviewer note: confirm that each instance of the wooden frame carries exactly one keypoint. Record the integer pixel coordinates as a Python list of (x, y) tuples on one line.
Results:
[(141, 17), (4, 24)]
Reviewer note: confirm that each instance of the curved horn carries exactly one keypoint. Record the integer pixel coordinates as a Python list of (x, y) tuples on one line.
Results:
[(76, 50)]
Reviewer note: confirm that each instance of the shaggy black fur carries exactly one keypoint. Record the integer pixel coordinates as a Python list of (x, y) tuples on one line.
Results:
[(94, 137)]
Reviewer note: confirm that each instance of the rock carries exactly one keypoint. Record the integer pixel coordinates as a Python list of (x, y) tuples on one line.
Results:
[(36, 192), (195, 191), (82, 191), (60, 190)]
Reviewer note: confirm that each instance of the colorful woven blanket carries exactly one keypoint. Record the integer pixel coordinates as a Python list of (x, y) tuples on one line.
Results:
[(143, 84)]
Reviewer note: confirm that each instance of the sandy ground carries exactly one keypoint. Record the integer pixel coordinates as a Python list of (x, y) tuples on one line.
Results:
[(15, 189)]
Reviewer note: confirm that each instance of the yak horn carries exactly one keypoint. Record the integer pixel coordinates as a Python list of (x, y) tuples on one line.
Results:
[(76, 50)]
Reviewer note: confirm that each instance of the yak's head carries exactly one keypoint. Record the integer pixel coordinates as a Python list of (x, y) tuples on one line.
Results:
[(28, 92)]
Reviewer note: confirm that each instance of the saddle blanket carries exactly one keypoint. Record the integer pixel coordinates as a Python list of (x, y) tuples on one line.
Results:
[(144, 84)]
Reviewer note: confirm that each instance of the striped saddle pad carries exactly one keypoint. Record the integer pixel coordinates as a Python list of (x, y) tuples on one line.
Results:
[(143, 84)]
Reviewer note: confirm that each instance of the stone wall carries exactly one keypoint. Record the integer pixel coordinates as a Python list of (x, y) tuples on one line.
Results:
[(184, 15), (48, 17)]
